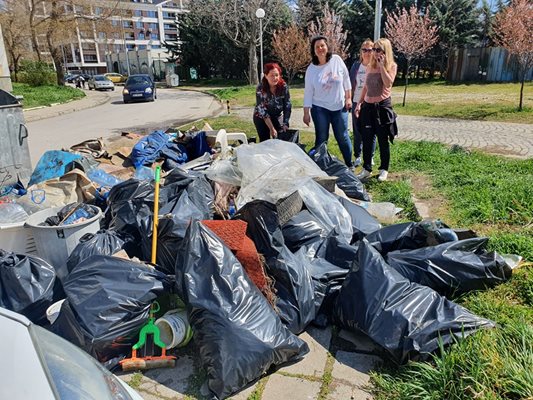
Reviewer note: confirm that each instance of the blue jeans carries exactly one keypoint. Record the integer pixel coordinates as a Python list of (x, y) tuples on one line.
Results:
[(322, 118)]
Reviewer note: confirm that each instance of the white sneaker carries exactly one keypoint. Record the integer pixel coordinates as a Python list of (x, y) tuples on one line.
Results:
[(383, 175), (364, 174), (357, 162)]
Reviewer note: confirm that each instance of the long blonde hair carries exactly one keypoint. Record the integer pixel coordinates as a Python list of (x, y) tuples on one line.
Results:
[(365, 43), (386, 46)]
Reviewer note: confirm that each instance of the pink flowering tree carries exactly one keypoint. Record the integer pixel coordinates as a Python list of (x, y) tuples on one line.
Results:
[(330, 26), (513, 30), (411, 34)]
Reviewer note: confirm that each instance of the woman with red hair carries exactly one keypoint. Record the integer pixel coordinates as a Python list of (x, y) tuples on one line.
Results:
[(273, 104)]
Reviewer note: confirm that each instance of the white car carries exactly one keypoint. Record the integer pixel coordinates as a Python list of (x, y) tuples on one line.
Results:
[(100, 82), (37, 364)]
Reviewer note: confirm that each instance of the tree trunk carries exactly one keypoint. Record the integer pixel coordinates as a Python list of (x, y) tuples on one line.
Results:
[(252, 67), (406, 82), (522, 91), (57, 58)]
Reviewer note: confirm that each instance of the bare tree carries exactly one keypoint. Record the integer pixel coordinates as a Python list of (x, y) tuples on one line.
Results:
[(15, 34), (291, 47), (330, 25), (237, 21), (412, 34), (513, 27)]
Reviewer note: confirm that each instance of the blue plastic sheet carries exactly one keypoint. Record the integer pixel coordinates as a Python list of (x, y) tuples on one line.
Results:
[(155, 146), (52, 164)]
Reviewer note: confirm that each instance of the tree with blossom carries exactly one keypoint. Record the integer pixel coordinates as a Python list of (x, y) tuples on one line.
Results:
[(412, 34), (513, 30), (292, 50), (330, 26)]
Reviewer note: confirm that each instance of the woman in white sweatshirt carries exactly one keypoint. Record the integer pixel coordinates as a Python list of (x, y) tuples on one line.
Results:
[(327, 97)]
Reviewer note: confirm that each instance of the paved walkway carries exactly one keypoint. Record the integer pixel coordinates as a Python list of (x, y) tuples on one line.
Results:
[(503, 138)]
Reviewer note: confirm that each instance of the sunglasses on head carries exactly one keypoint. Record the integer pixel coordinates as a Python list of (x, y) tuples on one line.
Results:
[(377, 50), (366, 50)]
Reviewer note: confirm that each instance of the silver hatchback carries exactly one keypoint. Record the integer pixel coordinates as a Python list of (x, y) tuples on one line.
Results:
[(100, 82)]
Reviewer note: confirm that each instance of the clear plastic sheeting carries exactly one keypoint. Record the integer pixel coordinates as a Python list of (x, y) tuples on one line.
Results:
[(224, 171), (255, 160), (408, 320), (238, 333)]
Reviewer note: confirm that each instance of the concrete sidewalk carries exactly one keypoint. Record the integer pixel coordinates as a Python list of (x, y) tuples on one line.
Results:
[(336, 368), (502, 138)]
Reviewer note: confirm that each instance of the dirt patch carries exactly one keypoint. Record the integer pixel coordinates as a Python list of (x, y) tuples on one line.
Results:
[(502, 151), (428, 201)]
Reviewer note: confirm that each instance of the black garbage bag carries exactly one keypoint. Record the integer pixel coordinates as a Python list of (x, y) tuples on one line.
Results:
[(406, 319), (104, 243), (452, 268), (348, 182), (108, 302), (292, 279), (362, 222), (290, 135), (238, 333), (301, 230), (28, 285), (70, 214), (174, 219)]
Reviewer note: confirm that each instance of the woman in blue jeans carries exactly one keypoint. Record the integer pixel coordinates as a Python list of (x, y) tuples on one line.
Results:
[(327, 97)]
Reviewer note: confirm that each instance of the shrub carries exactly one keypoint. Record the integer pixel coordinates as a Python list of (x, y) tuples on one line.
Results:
[(36, 73)]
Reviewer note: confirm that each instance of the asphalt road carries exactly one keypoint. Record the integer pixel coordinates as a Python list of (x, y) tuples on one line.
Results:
[(172, 108)]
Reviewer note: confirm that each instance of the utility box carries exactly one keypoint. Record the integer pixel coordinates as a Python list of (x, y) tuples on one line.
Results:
[(15, 160), (173, 80)]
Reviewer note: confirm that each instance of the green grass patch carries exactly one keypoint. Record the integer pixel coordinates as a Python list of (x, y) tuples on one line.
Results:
[(45, 95), (397, 192)]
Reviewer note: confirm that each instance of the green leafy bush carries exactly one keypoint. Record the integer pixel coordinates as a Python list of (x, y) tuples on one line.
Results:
[(36, 73)]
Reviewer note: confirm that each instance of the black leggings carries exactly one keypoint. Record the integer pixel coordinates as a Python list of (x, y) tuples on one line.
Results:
[(370, 128), (262, 128)]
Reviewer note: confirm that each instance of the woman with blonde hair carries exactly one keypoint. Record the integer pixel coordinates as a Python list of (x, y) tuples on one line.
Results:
[(357, 77), (376, 117)]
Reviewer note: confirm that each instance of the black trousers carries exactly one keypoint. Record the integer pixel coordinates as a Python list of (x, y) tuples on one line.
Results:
[(262, 128), (370, 129)]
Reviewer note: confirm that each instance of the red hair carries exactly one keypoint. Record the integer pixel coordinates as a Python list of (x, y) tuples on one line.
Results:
[(264, 82)]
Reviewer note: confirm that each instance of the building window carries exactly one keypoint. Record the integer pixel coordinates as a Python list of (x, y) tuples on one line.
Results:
[(152, 26), (130, 46), (154, 36), (138, 13), (141, 47), (98, 11), (139, 25), (127, 24), (101, 35), (156, 46), (168, 15), (114, 22), (140, 36), (151, 14), (169, 26)]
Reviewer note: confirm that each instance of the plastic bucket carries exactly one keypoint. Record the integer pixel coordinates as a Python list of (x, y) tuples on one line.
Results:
[(174, 328), (53, 311), (55, 243), (13, 237)]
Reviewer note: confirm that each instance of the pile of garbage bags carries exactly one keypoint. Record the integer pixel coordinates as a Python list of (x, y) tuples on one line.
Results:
[(327, 259)]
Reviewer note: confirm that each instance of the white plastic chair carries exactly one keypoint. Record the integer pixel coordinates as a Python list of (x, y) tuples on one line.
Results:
[(224, 137)]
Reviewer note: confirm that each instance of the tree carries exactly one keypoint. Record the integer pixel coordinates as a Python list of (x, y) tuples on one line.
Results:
[(486, 17), (291, 47), (458, 22), (330, 25), (513, 27), (15, 34), (412, 34), (237, 21)]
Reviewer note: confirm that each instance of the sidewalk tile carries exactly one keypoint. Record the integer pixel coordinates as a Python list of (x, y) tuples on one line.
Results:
[(314, 362), (281, 387), (353, 368), (340, 391)]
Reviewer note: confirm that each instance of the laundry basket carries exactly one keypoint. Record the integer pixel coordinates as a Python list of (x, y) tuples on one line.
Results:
[(55, 243)]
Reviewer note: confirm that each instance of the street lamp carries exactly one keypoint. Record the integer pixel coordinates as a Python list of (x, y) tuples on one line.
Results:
[(260, 14), (377, 20)]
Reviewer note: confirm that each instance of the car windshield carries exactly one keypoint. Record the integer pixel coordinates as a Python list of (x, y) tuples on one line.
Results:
[(138, 80), (74, 373), (100, 78)]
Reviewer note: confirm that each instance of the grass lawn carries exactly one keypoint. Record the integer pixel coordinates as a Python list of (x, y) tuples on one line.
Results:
[(493, 196), (45, 95), (476, 101)]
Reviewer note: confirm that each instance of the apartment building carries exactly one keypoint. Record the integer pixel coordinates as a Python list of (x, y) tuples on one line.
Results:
[(132, 41)]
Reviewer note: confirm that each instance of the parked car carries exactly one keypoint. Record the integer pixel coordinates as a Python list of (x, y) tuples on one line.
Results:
[(139, 87), (100, 82), (116, 78), (41, 365)]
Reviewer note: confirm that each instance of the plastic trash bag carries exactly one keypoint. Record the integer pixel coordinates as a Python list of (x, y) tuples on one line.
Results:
[(292, 279), (52, 164), (103, 243), (256, 160), (406, 319), (108, 302), (11, 213), (224, 171), (408, 235), (347, 181), (452, 268), (174, 219), (301, 230), (155, 146), (28, 285), (362, 222), (239, 335)]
